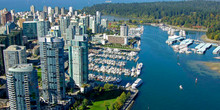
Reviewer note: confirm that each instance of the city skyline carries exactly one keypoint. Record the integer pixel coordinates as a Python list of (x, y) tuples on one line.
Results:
[(110, 56)]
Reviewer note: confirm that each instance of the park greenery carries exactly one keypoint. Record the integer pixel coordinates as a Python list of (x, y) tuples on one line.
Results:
[(197, 14), (214, 32), (107, 97)]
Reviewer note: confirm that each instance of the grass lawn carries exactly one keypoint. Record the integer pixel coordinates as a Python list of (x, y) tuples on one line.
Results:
[(39, 73), (108, 97), (99, 105)]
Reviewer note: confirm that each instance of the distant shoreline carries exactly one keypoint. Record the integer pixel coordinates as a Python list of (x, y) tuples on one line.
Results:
[(188, 29), (206, 39)]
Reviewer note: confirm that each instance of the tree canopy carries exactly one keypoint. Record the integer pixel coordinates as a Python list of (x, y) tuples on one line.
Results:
[(192, 14)]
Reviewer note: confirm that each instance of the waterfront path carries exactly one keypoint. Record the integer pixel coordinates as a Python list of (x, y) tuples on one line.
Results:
[(130, 100)]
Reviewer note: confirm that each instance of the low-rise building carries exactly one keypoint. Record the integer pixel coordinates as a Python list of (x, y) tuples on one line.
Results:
[(117, 39)]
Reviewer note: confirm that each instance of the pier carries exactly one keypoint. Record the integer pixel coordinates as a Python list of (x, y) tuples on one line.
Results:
[(203, 48), (217, 50), (130, 101)]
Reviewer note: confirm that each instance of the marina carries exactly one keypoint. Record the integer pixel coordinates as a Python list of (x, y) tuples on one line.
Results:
[(113, 61), (180, 43)]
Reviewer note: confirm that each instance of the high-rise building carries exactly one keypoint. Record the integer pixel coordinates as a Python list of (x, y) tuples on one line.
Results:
[(13, 15), (5, 16), (78, 60), (71, 10), (13, 38), (20, 22), (52, 65), (51, 19), (0, 17), (124, 30), (104, 23), (94, 27), (14, 54), (43, 15), (9, 26), (62, 11), (45, 9), (55, 31), (98, 17), (87, 21), (32, 9), (30, 29), (76, 13), (80, 30), (57, 10), (49, 10), (22, 86), (92, 24), (64, 24), (42, 28), (70, 32)]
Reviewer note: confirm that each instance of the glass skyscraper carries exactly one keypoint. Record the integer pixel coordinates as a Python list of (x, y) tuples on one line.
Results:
[(64, 24), (14, 54), (30, 29), (22, 86), (78, 60), (52, 65), (42, 28)]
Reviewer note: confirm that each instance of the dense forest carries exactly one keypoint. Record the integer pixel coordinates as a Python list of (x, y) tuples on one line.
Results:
[(214, 32), (192, 14)]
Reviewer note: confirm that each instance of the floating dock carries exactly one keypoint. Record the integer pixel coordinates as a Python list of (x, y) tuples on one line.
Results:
[(186, 42), (217, 50), (204, 48), (174, 40), (200, 46)]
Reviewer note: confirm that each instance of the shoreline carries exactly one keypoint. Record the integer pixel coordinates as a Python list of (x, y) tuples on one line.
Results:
[(206, 39), (188, 29), (180, 28)]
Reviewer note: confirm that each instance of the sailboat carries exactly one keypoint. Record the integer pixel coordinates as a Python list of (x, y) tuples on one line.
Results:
[(181, 87)]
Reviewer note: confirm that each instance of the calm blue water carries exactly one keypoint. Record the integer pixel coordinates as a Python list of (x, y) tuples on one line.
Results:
[(162, 76), (23, 5)]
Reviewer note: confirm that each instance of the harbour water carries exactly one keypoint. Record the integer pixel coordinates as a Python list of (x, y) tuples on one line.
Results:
[(162, 76)]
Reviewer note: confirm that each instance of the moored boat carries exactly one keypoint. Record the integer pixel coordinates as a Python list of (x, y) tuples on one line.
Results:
[(137, 83)]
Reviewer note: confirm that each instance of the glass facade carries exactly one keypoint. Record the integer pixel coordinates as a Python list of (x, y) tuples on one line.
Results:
[(52, 65), (23, 89), (30, 29), (78, 60)]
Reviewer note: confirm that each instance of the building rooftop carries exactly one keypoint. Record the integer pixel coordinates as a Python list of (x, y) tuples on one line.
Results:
[(30, 21), (21, 68), (15, 48), (50, 38)]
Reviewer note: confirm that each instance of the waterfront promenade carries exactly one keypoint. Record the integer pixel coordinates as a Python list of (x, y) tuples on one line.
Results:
[(129, 102)]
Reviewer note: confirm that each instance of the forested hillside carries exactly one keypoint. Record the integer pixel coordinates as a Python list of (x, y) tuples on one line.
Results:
[(192, 14)]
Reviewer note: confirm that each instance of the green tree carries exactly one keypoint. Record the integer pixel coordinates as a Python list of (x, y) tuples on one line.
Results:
[(85, 101), (128, 94), (123, 97)]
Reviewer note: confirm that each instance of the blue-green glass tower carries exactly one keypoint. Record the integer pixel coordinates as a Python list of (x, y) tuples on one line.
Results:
[(52, 65), (78, 60)]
